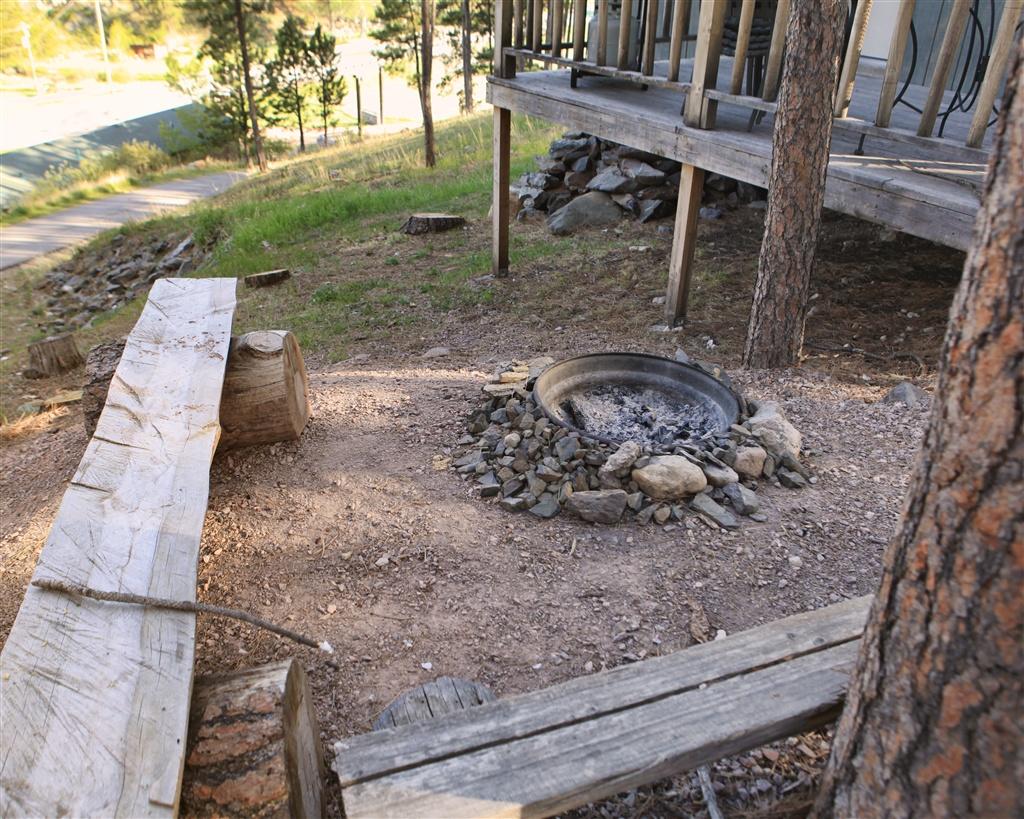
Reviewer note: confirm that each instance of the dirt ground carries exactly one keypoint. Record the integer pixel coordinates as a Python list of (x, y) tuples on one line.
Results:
[(351, 534)]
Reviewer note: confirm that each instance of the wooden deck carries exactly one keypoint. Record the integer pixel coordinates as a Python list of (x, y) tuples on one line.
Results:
[(927, 187), (554, 749)]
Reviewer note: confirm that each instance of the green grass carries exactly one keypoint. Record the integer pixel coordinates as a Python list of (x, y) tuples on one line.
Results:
[(331, 216)]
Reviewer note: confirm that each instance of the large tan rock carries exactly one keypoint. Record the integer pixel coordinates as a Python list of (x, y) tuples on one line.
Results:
[(750, 462), (669, 477), (776, 434)]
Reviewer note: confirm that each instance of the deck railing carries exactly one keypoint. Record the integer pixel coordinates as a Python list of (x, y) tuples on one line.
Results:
[(577, 34)]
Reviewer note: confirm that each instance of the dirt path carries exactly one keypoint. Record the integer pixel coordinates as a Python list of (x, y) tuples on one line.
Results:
[(25, 240), (351, 535)]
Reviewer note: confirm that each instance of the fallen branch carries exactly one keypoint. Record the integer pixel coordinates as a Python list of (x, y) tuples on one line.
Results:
[(76, 590), (704, 774)]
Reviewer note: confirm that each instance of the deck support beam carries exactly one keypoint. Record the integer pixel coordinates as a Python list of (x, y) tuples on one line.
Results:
[(684, 242), (500, 203)]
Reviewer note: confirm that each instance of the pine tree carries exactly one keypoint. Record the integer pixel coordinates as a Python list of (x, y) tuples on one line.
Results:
[(468, 27), (290, 71), (231, 90), (406, 35), (324, 64)]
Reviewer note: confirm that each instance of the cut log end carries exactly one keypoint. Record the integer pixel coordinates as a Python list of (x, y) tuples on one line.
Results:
[(254, 746), (264, 398), (52, 356), (431, 700), (420, 223)]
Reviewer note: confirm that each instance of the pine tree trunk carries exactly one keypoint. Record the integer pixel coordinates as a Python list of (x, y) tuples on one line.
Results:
[(257, 140), (467, 58), (324, 111), (427, 45), (933, 723), (796, 187), (298, 114)]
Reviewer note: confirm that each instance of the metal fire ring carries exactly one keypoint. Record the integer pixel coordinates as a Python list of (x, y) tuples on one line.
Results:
[(638, 370)]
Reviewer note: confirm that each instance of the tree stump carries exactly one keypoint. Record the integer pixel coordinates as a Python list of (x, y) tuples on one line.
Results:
[(420, 223), (432, 699), (267, 278), (52, 356), (100, 364), (264, 399), (254, 746)]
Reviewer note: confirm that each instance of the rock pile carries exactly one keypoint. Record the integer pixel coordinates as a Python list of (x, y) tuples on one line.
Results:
[(517, 456), (95, 280), (584, 180)]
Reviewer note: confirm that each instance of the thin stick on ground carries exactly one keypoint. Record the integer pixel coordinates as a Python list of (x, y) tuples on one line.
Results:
[(76, 590), (704, 774)]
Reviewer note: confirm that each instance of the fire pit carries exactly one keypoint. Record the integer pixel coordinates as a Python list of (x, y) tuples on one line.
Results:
[(654, 401), (611, 434)]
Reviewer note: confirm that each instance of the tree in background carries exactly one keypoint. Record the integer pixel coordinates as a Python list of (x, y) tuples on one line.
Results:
[(230, 88), (324, 65), (402, 33), (932, 724), (289, 72), (796, 185), (470, 33)]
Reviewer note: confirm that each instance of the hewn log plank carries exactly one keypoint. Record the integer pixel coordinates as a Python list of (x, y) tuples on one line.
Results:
[(96, 695), (557, 770), (370, 756)]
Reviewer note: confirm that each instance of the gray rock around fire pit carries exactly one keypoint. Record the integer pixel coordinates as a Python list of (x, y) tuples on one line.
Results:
[(706, 469)]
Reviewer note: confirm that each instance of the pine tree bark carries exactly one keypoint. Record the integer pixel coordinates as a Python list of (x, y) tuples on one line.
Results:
[(467, 58), (932, 725), (427, 45), (796, 186), (257, 140)]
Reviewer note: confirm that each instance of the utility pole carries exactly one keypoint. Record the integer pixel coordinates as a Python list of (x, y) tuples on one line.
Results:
[(380, 88), (26, 42), (359, 108), (103, 39)]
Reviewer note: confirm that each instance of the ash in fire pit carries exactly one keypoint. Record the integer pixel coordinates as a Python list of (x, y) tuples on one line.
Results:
[(656, 402), (644, 415)]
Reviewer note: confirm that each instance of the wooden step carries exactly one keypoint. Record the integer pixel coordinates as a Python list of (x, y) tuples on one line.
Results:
[(96, 695), (589, 738)]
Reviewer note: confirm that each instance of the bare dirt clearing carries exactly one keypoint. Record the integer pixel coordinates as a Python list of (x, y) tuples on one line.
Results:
[(351, 534)]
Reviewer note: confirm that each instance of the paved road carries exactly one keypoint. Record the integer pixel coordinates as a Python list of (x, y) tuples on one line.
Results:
[(44, 234)]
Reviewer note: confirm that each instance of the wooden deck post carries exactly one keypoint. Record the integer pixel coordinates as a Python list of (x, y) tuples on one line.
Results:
[(893, 65), (700, 111), (955, 26), (994, 73), (503, 67), (684, 241), (852, 59)]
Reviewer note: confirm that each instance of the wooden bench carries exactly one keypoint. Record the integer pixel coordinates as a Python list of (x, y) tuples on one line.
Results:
[(96, 695), (551, 750)]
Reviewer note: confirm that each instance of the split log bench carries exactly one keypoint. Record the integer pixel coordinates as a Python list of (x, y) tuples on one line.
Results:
[(96, 695), (589, 738)]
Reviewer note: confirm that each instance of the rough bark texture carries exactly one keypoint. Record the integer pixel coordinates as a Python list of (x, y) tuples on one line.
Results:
[(52, 356), (426, 92), (933, 724), (431, 223), (796, 187), (254, 746)]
